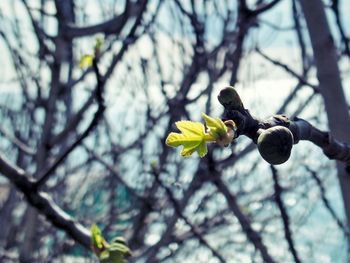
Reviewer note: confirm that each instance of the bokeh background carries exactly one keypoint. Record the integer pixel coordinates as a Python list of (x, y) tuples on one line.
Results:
[(164, 61)]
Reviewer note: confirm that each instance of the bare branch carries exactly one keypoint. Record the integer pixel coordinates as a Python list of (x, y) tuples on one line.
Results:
[(21, 145), (301, 79), (327, 203), (112, 26), (179, 210), (265, 7), (101, 107), (44, 204), (252, 235), (285, 218)]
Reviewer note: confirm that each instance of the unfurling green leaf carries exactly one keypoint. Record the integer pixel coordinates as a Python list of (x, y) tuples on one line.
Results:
[(193, 136), (109, 253), (216, 126), (97, 239), (87, 60)]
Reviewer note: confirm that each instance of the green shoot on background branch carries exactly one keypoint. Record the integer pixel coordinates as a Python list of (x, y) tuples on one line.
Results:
[(115, 252), (87, 59), (194, 137)]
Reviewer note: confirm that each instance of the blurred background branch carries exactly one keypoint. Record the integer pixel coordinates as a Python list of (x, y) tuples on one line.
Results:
[(161, 62)]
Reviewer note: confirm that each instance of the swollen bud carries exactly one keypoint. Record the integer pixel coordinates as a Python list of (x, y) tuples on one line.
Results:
[(229, 98), (275, 144)]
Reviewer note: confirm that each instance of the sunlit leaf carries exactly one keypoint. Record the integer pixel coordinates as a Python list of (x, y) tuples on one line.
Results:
[(99, 244), (202, 149), (193, 138), (86, 61)]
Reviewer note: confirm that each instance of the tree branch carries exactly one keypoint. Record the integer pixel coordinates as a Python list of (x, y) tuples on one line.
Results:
[(327, 204), (21, 145), (179, 212), (44, 204), (252, 127), (73, 122), (244, 221), (284, 214), (112, 26), (265, 7), (101, 108), (289, 70)]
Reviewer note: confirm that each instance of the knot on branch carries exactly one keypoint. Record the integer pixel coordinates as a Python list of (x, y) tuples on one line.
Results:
[(275, 144)]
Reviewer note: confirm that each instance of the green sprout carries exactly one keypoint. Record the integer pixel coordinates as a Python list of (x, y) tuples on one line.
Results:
[(194, 137), (115, 252), (87, 59)]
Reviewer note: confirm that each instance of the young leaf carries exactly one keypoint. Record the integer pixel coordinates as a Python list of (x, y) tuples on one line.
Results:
[(116, 252), (109, 253), (216, 126), (193, 138), (99, 244), (86, 61)]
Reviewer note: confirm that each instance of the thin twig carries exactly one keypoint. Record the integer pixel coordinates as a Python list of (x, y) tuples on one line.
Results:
[(327, 203), (285, 218), (289, 70), (44, 203), (253, 236), (178, 210), (21, 145), (98, 114)]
